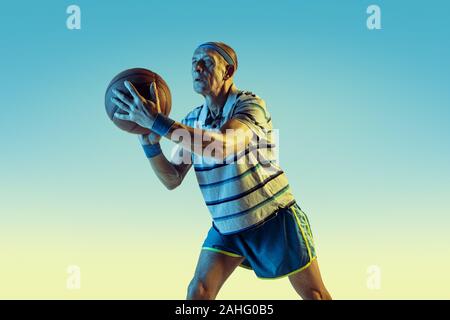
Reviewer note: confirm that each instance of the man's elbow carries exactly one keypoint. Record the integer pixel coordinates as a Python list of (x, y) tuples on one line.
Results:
[(172, 185)]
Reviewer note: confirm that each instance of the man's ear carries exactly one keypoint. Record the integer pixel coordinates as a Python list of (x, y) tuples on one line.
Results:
[(229, 71)]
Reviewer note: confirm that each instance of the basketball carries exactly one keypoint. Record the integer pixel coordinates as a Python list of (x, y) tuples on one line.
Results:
[(141, 79)]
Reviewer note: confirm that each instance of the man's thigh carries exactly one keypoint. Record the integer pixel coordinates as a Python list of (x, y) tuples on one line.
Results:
[(309, 284), (214, 268)]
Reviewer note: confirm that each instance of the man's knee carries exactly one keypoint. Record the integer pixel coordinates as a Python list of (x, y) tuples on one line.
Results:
[(318, 294), (199, 290)]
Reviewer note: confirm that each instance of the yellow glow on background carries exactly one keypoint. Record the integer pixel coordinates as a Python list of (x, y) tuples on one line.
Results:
[(363, 119)]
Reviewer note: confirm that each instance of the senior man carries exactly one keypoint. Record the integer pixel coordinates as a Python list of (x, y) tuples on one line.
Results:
[(257, 223)]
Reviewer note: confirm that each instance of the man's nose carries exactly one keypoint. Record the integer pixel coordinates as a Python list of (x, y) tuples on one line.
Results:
[(198, 67)]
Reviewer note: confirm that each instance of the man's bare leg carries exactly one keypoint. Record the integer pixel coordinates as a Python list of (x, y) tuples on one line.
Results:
[(308, 283), (212, 270)]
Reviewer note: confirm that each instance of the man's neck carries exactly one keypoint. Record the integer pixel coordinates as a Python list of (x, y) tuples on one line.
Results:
[(216, 103)]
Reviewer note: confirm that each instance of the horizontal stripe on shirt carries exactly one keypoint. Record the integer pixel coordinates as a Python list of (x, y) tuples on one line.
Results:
[(235, 158), (234, 215), (260, 222), (239, 176), (231, 171), (243, 194)]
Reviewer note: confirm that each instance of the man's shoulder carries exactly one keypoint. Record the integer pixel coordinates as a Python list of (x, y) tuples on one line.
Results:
[(249, 102), (248, 97)]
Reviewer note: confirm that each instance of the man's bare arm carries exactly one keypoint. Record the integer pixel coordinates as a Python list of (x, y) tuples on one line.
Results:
[(233, 137), (170, 174)]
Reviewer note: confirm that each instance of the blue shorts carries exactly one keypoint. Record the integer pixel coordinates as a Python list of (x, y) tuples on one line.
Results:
[(281, 246)]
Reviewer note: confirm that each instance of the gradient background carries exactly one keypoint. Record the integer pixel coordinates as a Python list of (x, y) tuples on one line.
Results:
[(364, 130)]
